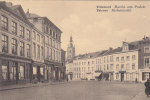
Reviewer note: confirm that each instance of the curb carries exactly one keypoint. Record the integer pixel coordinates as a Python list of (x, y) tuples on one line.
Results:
[(38, 85)]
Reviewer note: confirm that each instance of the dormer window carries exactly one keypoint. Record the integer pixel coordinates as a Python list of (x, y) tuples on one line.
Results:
[(125, 46)]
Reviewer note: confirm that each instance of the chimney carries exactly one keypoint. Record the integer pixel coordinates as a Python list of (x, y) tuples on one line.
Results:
[(8, 4), (110, 48)]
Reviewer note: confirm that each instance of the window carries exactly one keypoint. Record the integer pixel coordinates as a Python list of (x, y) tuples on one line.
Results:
[(111, 66), (14, 27), (34, 35), (111, 58), (47, 52), (133, 57), (104, 59), (127, 66), (122, 58), (133, 66), (28, 50), (4, 43), (21, 72), (128, 58), (145, 75), (28, 35), (21, 31), (117, 75), (42, 71), (14, 46), (4, 22), (21, 48), (53, 43), (117, 67), (4, 72), (13, 71), (42, 51), (107, 67), (50, 32), (117, 59), (147, 50), (34, 50), (34, 70), (38, 37), (46, 40), (38, 51), (128, 76), (146, 62), (54, 34), (122, 66)]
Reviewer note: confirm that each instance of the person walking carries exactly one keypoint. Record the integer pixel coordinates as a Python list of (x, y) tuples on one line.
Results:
[(147, 87)]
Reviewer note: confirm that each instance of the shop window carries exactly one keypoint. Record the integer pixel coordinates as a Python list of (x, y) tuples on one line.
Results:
[(13, 71), (4, 72), (34, 70), (145, 75), (117, 76), (21, 72), (128, 76), (42, 71)]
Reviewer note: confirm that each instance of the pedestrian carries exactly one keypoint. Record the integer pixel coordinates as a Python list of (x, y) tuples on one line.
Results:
[(67, 79), (147, 87)]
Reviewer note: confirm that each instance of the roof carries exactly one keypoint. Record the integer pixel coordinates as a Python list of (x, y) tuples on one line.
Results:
[(32, 15), (16, 10)]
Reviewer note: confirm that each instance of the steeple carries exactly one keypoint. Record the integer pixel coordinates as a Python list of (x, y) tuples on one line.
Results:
[(71, 38), (70, 49)]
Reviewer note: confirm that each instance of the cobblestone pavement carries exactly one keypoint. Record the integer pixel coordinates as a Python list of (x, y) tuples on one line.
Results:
[(79, 90)]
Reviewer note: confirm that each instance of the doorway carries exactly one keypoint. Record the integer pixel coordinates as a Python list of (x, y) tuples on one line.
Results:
[(122, 76)]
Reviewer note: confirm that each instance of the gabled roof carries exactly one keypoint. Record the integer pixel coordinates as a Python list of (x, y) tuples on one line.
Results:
[(16, 10)]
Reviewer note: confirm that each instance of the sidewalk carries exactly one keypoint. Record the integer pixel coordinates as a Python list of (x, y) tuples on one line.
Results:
[(28, 85)]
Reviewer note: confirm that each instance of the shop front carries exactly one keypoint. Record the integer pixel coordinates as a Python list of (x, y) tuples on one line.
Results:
[(38, 72), (14, 71)]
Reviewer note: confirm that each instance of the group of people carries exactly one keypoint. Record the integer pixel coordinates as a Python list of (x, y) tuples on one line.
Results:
[(147, 87)]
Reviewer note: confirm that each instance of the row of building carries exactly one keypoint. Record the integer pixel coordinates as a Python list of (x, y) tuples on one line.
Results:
[(30, 47), (130, 62)]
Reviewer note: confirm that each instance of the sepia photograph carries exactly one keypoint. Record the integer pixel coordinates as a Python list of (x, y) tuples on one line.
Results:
[(74, 50)]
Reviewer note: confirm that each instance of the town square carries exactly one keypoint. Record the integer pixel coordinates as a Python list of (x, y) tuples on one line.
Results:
[(72, 50)]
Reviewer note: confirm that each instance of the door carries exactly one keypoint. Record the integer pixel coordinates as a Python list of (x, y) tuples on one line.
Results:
[(122, 76), (38, 73)]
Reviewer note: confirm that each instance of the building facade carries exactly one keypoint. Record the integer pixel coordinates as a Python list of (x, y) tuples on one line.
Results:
[(127, 63), (30, 48), (15, 49)]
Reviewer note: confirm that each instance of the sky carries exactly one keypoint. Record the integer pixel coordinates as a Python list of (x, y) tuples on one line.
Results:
[(91, 30)]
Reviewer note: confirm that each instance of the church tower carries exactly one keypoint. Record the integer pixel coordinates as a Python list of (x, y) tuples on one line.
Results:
[(70, 49)]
